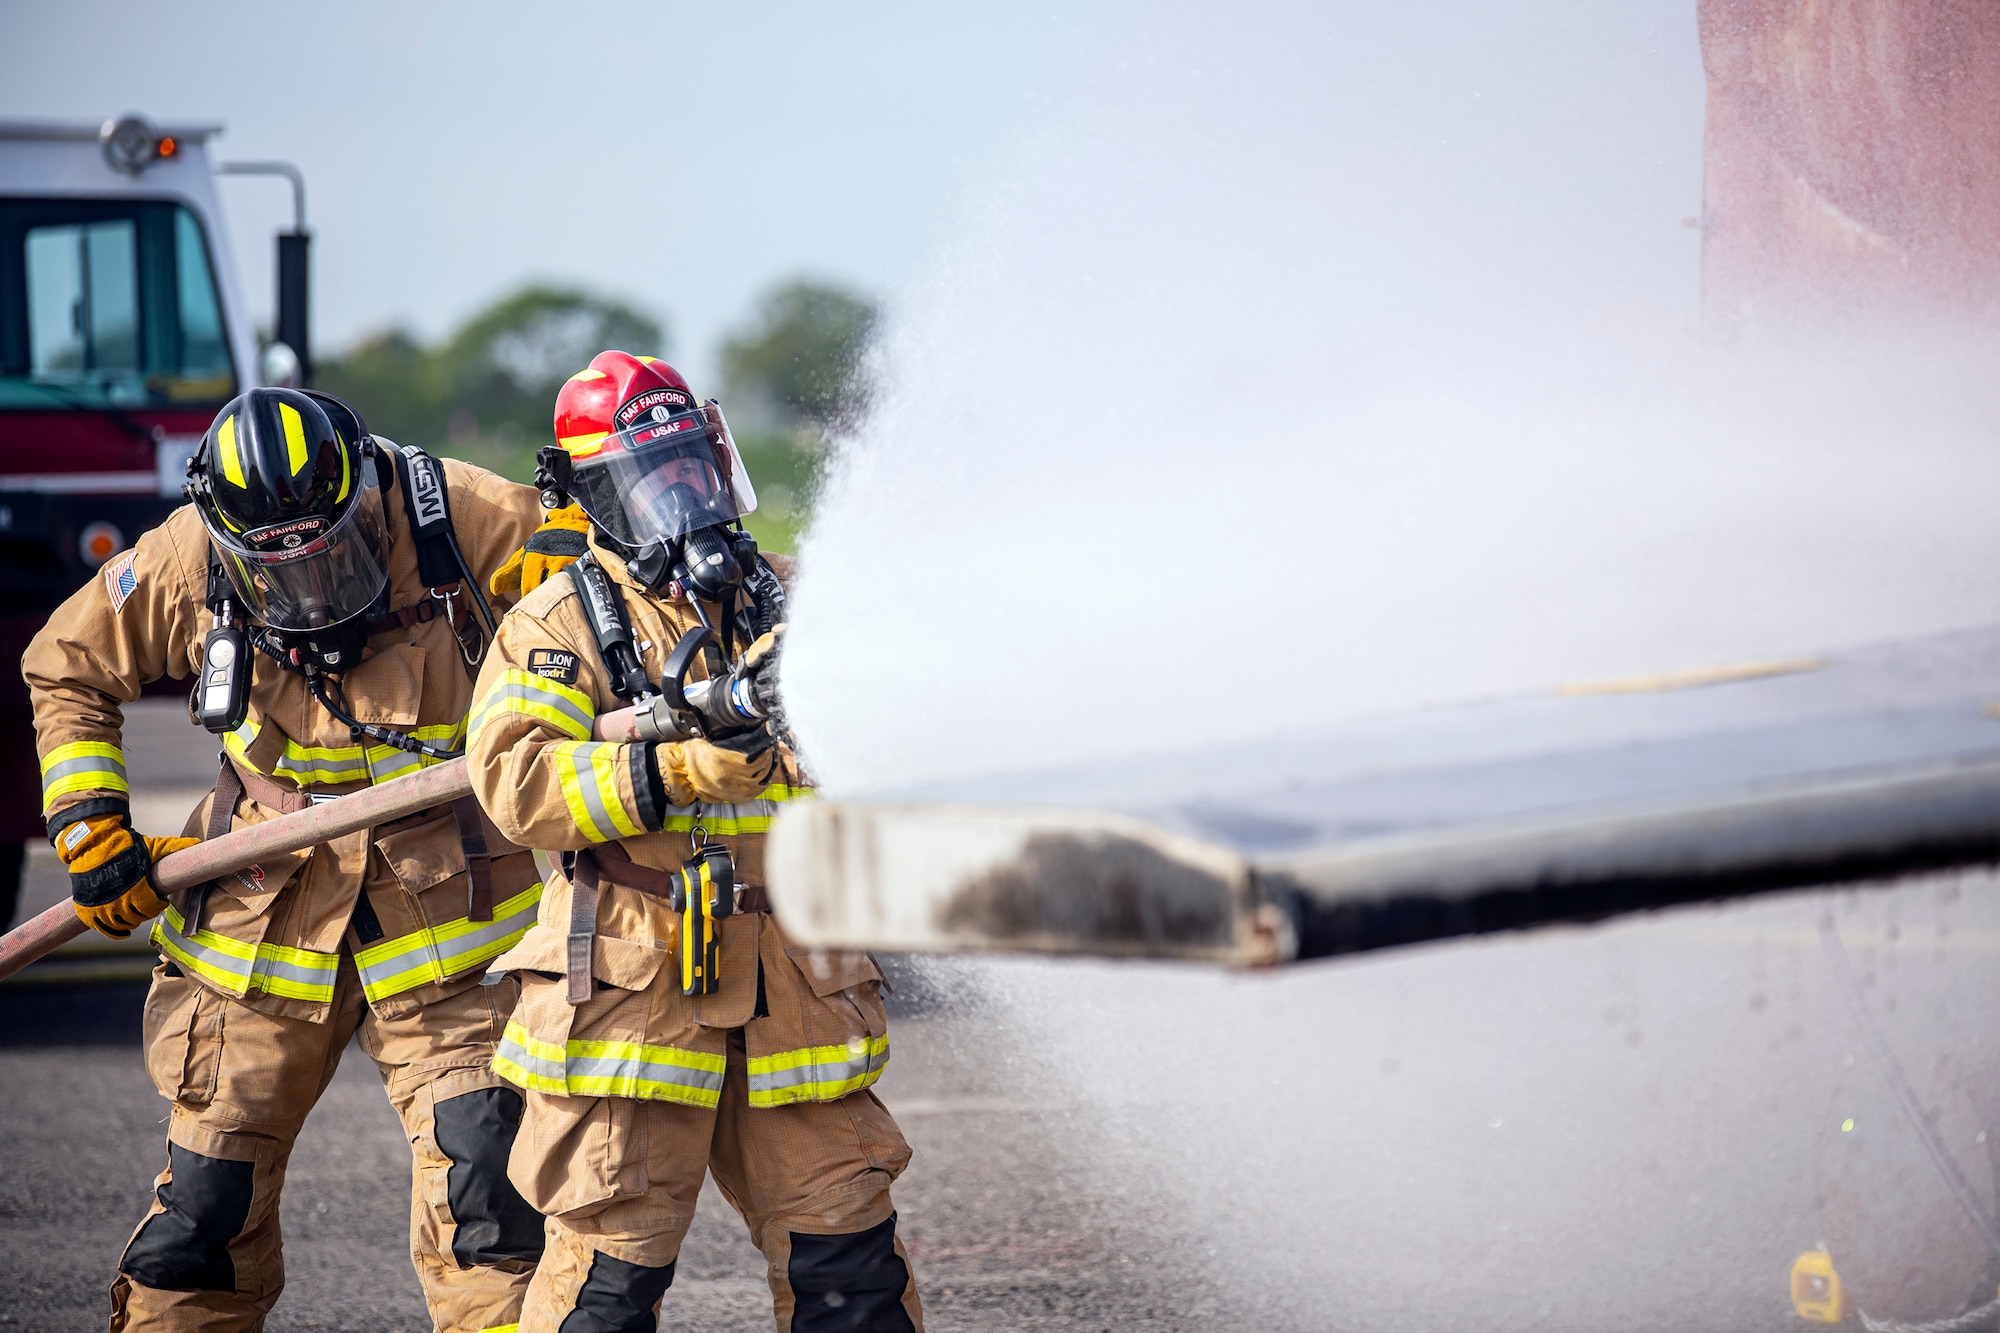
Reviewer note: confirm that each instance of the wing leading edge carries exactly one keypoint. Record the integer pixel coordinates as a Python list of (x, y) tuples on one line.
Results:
[(1575, 806)]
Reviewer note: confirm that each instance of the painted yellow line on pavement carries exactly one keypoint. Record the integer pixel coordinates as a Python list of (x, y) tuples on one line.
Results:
[(1695, 679)]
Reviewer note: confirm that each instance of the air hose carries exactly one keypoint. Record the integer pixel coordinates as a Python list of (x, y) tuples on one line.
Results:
[(316, 683)]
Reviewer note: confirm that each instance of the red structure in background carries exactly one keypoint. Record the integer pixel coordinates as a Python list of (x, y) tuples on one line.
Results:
[(1852, 161)]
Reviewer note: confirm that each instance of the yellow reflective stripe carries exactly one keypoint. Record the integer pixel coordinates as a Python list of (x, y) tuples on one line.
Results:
[(609, 1069), (501, 1328), (588, 774), (239, 968), (721, 820), (82, 766), (232, 461), (569, 711), (308, 765), (295, 437), (436, 953), (733, 820), (817, 1073), (346, 473), (239, 741)]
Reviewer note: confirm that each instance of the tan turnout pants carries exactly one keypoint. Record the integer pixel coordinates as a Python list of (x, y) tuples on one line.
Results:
[(208, 1255), (619, 1177)]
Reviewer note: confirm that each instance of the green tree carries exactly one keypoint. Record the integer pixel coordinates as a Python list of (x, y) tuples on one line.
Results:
[(801, 359), (488, 392)]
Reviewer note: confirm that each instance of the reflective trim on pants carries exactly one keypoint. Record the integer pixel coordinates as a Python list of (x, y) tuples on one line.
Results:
[(609, 1069), (817, 1073), (239, 968), (436, 953)]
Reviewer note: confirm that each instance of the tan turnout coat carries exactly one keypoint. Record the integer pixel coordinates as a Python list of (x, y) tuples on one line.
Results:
[(821, 1033), (272, 939)]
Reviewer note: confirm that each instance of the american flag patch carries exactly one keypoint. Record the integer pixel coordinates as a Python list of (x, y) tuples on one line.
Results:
[(119, 580)]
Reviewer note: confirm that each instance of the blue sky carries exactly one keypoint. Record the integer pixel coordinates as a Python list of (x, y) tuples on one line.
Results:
[(682, 157)]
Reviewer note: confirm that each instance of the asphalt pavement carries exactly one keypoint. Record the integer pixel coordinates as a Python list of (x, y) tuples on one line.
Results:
[(999, 1213), (1635, 1126)]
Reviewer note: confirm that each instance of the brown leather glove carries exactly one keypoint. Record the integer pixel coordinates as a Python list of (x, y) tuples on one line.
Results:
[(693, 771), (110, 866), (563, 536)]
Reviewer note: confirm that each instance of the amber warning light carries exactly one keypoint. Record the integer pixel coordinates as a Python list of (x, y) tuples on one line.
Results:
[(168, 147)]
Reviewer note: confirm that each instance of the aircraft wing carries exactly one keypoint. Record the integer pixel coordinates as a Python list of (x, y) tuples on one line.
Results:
[(1583, 803)]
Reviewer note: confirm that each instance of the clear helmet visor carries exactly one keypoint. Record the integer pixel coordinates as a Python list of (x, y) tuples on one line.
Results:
[(305, 579), (663, 477)]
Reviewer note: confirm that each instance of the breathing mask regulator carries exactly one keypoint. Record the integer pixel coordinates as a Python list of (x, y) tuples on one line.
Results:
[(289, 485)]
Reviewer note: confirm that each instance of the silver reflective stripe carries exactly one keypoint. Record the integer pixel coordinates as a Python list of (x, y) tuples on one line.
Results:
[(514, 692), (629, 1068), (822, 1071), (300, 974), (345, 769), (535, 1066), (87, 764), (587, 785), (436, 953)]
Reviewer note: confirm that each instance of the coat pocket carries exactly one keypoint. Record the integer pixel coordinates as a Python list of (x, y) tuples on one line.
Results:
[(183, 1035), (829, 971)]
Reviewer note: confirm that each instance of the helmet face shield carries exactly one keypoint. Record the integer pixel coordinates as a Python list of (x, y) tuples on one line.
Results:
[(668, 473), (303, 574)]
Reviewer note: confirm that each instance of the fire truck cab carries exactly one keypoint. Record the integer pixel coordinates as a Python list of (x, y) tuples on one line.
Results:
[(122, 331)]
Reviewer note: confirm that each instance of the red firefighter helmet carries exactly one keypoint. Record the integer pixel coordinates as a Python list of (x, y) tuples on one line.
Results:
[(646, 462)]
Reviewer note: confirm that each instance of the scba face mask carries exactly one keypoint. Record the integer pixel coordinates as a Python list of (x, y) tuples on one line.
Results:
[(285, 482), (665, 486)]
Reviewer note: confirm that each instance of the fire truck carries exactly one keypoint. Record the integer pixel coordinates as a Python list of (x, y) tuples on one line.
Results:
[(122, 331)]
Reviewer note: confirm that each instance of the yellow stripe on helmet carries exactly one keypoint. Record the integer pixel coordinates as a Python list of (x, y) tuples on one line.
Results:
[(587, 375), (225, 444), (295, 436), (583, 446)]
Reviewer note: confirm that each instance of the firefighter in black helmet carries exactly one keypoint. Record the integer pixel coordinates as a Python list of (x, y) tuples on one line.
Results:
[(317, 589), (287, 486)]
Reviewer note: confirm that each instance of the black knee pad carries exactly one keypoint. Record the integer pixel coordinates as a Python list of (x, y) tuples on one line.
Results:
[(617, 1297), (852, 1283), (186, 1248), (476, 1131)]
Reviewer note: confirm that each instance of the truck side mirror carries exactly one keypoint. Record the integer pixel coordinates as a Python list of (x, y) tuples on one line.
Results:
[(279, 366)]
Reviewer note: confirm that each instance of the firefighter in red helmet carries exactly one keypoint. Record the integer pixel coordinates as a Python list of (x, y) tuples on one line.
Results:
[(627, 721)]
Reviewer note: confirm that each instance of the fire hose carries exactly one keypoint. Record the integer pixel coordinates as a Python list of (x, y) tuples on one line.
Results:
[(435, 786)]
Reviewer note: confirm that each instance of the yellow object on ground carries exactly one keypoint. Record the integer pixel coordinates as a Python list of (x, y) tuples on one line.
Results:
[(1816, 1294)]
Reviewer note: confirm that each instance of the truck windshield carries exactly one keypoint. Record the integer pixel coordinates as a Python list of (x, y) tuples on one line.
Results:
[(108, 304)]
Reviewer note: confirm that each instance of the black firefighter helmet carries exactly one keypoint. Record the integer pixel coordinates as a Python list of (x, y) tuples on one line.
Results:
[(285, 482)]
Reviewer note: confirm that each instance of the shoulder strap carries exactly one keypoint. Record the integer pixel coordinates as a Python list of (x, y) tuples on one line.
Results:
[(428, 505), (440, 563), (604, 610)]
